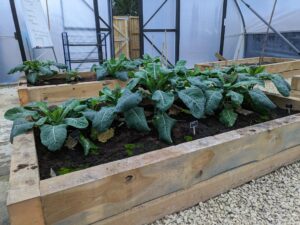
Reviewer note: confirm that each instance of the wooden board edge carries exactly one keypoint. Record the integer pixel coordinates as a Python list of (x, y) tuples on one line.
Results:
[(296, 83), (23, 199), (158, 208), (29, 212)]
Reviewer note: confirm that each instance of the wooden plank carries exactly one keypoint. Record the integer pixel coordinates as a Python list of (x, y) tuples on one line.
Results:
[(134, 37), (106, 190), (23, 201), (296, 83), (178, 201), (121, 35), (283, 101), (62, 92), (277, 65), (283, 66)]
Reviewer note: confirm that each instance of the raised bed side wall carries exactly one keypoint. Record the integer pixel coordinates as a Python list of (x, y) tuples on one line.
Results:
[(144, 188)]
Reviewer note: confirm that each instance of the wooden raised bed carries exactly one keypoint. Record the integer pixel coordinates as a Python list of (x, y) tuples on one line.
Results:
[(287, 67), (146, 187), (62, 92)]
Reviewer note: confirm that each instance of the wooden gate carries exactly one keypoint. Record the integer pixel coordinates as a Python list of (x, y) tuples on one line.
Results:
[(126, 33)]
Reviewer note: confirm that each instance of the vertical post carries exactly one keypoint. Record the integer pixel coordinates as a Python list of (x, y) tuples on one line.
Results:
[(223, 27), (177, 33), (98, 30), (111, 28), (18, 35), (141, 25)]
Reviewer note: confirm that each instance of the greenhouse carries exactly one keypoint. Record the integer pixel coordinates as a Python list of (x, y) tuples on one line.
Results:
[(149, 112)]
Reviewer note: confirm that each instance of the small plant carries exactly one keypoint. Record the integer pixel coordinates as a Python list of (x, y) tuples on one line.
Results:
[(117, 68), (72, 76), (52, 122), (129, 148), (188, 138), (35, 70)]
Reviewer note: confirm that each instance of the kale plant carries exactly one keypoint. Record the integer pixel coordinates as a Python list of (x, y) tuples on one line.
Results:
[(35, 70)]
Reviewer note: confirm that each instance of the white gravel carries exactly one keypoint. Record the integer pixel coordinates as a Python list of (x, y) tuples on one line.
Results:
[(272, 199)]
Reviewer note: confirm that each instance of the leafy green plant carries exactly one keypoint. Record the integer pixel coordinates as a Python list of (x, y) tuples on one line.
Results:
[(72, 76), (188, 138), (231, 88), (116, 67), (35, 70), (52, 122), (153, 92)]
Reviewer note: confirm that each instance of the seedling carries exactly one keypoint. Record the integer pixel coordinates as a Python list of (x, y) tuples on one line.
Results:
[(188, 138)]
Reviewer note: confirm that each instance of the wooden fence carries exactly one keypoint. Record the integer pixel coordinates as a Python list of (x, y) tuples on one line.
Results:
[(126, 36)]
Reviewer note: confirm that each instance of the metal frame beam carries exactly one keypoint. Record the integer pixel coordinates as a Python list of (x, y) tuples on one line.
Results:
[(18, 34), (144, 30), (223, 29), (272, 28)]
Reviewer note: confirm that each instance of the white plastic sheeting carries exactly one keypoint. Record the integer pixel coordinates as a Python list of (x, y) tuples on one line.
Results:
[(199, 36), (9, 48), (285, 19), (286, 15), (200, 27)]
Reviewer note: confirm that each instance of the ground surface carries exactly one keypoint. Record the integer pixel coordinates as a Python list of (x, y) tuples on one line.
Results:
[(272, 199)]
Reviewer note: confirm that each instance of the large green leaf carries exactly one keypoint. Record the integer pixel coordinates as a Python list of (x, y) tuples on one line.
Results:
[(101, 72), (89, 114), (103, 119), (228, 117), (53, 137), (44, 70), (246, 84), (20, 126), (213, 99), (41, 121), (133, 83), (122, 75), (128, 101), (68, 106), (164, 125), (32, 77), (163, 100), (198, 82), (79, 123), (135, 118), (18, 112), (236, 98), (194, 99), (282, 86), (18, 68), (261, 100), (87, 144)]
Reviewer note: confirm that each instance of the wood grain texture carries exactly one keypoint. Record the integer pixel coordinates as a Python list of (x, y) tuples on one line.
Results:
[(296, 83), (287, 67), (106, 190), (178, 201), (62, 92), (23, 201)]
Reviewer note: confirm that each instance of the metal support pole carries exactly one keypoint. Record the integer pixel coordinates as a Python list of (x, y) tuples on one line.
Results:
[(98, 31), (272, 28), (141, 25), (223, 27), (111, 29), (177, 34), (261, 58), (18, 35)]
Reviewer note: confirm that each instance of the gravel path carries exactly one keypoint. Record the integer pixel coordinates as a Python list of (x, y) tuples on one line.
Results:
[(272, 199)]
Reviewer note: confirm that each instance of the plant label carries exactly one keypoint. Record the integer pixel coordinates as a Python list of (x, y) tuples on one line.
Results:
[(194, 125)]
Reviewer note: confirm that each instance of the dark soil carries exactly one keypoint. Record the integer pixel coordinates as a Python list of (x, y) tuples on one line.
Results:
[(56, 81), (114, 149)]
